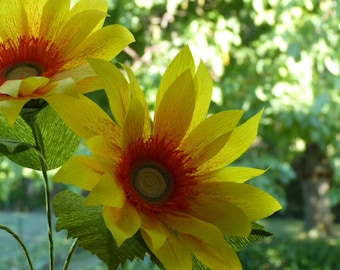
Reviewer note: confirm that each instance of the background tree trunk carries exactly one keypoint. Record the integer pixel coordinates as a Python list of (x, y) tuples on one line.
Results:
[(314, 173)]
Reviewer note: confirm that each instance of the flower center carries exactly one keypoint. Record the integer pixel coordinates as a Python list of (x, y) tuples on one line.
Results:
[(22, 71), (152, 182), (29, 56)]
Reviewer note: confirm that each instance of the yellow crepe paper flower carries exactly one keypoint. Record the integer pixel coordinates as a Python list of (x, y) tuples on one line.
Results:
[(44, 45), (168, 179)]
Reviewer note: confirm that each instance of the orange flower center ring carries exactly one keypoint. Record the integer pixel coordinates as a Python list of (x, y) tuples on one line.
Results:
[(152, 182), (22, 71)]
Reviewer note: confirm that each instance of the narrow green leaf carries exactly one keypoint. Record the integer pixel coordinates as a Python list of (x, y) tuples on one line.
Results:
[(60, 142), (87, 224), (257, 233)]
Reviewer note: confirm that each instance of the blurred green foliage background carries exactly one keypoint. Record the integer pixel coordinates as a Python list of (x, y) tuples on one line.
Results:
[(283, 55)]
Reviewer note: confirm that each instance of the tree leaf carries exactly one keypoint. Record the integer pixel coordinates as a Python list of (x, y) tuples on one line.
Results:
[(257, 233), (60, 142), (87, 224)]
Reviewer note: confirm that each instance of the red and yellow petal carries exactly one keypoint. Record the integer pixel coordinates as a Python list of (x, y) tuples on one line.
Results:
[(81, 171), (123, 222)]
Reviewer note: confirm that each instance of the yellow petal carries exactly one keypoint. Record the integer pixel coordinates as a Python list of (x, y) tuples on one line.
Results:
[(12, 108), (205, 240), (123, 223), (203, 86), (187, 224), (229, 218), (153, 232), (84, 76), (240, 140), (65, 86), (83, 5), (210, 129), (77, 74), (70, 36), (175, 111), (182, 62), (13, 20), (115, 85), (53, 18), (87, 118), (34, 10), (105, 44), (221, 257), (134, 123), (255, 203), (31, 84), (10, 88), (174, 254), (139, 94), (106, 192), (231, 174), (106, 152), (203, 154), (88, 84), (81, 171)]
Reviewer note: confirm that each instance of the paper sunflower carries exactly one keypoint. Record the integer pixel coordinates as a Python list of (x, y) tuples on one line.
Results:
[(168, 179), (44, 45)]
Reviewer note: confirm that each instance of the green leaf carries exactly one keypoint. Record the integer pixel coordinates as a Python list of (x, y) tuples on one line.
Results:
[(60, 142), (87, 224), (138, 264), (10, 147), (257, 233)]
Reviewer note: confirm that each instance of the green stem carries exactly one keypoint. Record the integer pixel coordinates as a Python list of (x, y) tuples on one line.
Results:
[(40, 147), (21, 243), (69, 254)]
